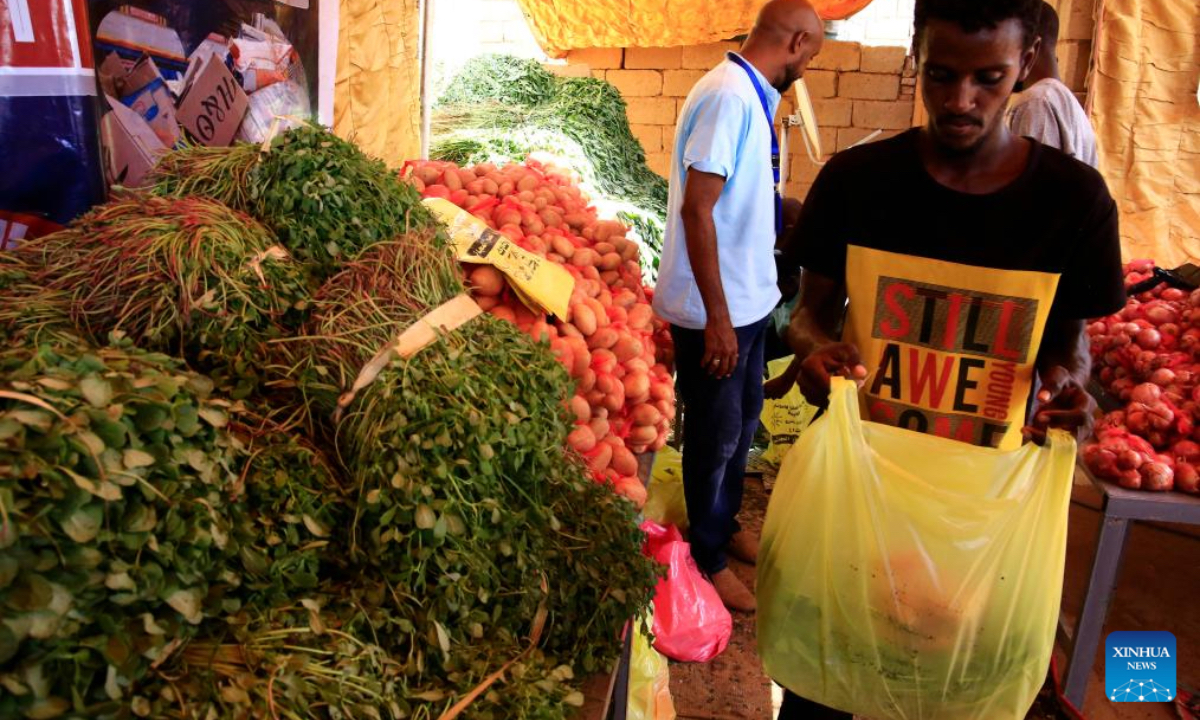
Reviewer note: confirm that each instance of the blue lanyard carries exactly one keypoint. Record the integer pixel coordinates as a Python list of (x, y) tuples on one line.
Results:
[(762, 98)]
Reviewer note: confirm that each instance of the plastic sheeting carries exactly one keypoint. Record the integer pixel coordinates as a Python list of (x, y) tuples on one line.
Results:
[(563, 25), (378, 88), (904, 576), (1146, 112)]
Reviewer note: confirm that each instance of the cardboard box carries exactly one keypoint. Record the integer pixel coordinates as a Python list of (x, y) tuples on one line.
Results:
[(130, 145), (213, 105), (143, 90)]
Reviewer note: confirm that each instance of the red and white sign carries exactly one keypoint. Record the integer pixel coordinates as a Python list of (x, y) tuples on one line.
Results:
[(41, 50)]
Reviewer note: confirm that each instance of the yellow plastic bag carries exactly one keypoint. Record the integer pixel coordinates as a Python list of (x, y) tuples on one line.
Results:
[(665, 504), (785, 418), (908, 576), (649, 680)]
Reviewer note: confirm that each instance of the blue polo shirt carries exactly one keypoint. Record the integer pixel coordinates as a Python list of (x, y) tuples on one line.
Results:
[(722, 130)]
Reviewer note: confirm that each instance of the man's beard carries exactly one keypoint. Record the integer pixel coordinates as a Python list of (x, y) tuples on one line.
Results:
[(790, 76)]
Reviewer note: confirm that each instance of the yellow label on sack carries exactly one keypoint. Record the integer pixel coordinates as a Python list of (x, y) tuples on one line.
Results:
[(950, 347), (541, 284), (785, 418)]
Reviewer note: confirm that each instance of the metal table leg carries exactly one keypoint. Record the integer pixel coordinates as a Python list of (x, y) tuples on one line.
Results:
[(1105, 567)]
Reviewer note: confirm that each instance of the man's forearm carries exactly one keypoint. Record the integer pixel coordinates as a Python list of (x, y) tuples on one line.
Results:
[(1071, 351), (701, 234), (805, 333), (815, 320)]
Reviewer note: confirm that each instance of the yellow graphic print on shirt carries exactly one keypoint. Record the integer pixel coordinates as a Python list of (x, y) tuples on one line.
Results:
[(950, 348)]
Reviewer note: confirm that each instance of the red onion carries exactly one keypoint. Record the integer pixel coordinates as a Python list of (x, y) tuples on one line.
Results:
[(1146, 393), (1130, 480), (1187, 479), (1162, 377), (1186, 451), (1157, 477), (1129, 459), (1149, 338), (1161, 314)]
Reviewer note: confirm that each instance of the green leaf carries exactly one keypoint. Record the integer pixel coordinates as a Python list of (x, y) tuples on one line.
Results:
[(91, 441), (8, 644), (56, 384), (188, 603), (151, 417), (443, 637), (96, 390), (426, 518), (214, 417), (137, 459), (9, 567), (36, 419), (142, 518), (315, 527), (47, 708), (112, 433), (84, 524)]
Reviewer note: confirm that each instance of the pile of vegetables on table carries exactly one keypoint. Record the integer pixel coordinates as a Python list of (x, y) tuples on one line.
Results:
[(203, 515), (1148, 357), (611, 343), (501, 109)]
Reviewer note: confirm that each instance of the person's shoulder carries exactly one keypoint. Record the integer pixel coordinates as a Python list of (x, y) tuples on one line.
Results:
[(725, 78), (1052, 87), (1056, 166), (720, 86)]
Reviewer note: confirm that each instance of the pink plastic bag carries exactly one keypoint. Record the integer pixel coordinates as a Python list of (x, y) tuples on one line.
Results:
[(691, 623), (657, 536)]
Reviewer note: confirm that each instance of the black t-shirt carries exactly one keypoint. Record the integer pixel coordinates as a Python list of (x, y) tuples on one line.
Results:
[(1057, 217), (951, 293)]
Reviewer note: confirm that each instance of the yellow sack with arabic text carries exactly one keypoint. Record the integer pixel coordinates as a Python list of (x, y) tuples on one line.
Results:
[(905, 576), (784, 419)]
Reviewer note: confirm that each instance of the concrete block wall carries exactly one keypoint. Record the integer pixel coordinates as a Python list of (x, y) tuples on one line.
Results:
[(856, 90)]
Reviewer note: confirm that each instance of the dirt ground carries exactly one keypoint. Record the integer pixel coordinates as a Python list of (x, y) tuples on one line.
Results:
[(1157, 590)]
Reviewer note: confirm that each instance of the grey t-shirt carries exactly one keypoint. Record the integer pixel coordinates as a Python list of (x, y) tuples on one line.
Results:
[(1048, 112)]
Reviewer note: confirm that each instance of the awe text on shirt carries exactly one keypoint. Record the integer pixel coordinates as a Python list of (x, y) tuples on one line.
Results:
[(950, 361)]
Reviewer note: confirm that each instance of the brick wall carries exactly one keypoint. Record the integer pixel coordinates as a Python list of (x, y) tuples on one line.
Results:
[(856, 90)]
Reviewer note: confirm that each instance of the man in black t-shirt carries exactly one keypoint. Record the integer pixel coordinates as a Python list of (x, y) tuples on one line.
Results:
[(959, 261)]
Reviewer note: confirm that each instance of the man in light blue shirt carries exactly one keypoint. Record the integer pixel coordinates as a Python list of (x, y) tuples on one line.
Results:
[(716, 282)]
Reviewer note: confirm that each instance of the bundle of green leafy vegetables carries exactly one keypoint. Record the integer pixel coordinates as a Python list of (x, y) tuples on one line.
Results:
[(502, 108), (170, 548), (131, 513)]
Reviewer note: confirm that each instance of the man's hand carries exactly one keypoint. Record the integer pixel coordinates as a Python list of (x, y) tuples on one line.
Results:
[(824, 363), (1061, 403), (720, 349)]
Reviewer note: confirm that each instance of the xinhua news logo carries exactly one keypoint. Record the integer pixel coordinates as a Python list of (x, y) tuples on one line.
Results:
[(1140, 666)]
